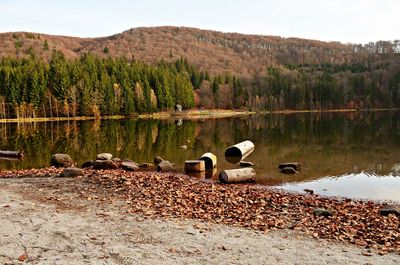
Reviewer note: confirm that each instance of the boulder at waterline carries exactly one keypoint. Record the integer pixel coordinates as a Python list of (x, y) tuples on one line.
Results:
[(246, 164), (71, 172), (165, 166), (158, 160), (104, 156), (324, 212), (61, 160), (104, 164), (130, 166), (288, 170), (88, 163), (295, 165), (389, 209)]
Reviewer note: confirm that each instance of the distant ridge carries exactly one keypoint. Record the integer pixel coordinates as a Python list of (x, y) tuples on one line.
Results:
[(216, 52)]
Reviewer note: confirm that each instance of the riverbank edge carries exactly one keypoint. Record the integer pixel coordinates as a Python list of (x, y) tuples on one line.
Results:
[(188, 114)]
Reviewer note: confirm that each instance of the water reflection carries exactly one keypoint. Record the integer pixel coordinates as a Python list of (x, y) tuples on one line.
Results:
[(361, 185), (327, 144)]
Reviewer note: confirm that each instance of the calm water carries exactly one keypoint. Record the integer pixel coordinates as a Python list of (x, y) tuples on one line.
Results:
[(342, 154)]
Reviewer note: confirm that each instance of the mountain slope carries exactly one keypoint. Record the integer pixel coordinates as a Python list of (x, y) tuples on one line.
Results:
[(216, 52)]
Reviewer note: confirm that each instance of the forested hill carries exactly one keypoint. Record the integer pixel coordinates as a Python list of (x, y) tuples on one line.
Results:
[(152, 69), (216, 52)]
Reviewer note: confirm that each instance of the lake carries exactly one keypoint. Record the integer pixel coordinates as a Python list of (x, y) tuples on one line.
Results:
[(350, 154)]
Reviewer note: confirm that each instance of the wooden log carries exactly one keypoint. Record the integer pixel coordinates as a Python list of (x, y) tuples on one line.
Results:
[(195, 166), (295, 165), (210, 160), (237, 175), (12, 154), (236, 153)]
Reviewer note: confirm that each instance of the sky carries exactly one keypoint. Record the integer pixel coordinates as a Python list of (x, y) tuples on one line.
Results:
[(355, 21)]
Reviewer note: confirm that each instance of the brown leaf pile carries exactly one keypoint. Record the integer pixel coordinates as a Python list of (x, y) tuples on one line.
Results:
[(258, 207), (31, 173), (172, 195)]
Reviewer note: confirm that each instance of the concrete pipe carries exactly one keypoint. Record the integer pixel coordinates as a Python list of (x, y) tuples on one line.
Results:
[(237, 175), (210, 160), (238, 152)]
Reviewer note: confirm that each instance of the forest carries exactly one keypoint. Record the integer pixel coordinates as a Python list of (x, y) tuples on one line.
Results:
[(102, 86)]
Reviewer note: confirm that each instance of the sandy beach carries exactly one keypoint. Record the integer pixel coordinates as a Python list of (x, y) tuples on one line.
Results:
[(50, 220)]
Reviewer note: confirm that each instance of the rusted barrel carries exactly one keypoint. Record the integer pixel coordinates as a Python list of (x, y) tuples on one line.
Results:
[(238, 152), (210, 160), (237, 175), (195, 166)]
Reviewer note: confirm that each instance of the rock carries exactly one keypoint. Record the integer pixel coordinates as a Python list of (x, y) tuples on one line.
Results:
[(183, 147), (104, 164), (61, 160), (246, 164), (116, 160), (158, 160), (130, 166), (309, 191), (87, 164), (104, 156), (324, 212), (147, 166), (165, 166), (71, 172), (390, 209), (288, 170), (295, 165)]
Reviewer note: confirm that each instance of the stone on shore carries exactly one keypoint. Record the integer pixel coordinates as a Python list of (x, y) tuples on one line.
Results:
[(116, 160), (71, 172), (147, 166), (88, 163), (324, 212), (104, 156), (61, 160), (246, 164), (104, 164), (165, 166), (288, 170), (158, 160), (130, 166), (390, 209)]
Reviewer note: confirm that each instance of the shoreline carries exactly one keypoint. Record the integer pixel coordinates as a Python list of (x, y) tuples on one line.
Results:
[(187, 114), (172, 195)]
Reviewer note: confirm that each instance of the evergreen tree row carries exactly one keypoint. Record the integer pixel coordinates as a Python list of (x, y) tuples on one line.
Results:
[(91, 86)]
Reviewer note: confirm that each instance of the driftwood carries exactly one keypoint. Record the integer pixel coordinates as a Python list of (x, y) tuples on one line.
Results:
[(195, 166), (238, 152), (12, 154), (237, 175), (210, 160)]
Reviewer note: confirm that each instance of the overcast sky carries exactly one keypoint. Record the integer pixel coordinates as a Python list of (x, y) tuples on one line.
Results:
[(357, 21)]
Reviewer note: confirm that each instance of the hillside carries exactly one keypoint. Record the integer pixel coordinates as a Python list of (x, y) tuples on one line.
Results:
[(43, 75), (216, 52)]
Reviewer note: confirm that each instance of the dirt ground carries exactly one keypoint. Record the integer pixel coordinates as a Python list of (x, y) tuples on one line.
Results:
[(50, 221)]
